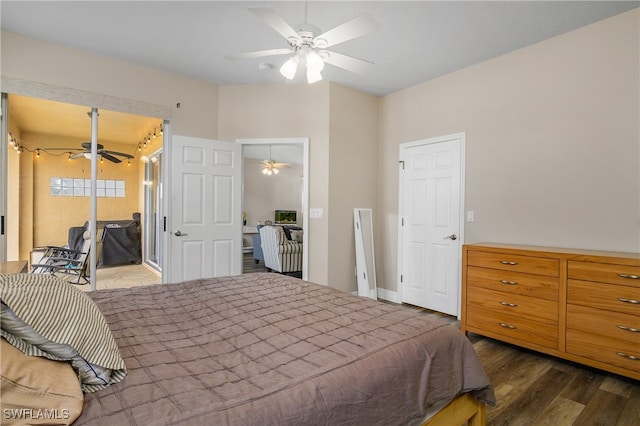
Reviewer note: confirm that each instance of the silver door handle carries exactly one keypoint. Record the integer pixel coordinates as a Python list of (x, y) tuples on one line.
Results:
[(453, 237), (179, 234)]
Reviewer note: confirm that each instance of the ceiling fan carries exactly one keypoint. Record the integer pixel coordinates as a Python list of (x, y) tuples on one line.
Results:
[(271, 167), (109, 155), (307, 45)]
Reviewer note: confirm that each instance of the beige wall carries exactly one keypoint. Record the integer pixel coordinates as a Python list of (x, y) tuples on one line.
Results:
[(287, 111), (38, 61), (341, 126), (552, 141), (54, 215), (353, 153)]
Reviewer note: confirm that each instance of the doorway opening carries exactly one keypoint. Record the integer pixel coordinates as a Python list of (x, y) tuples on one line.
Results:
[(49, 179), (264, 192)]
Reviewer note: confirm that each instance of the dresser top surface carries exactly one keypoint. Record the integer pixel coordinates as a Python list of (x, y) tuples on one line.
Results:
[(565, 253)]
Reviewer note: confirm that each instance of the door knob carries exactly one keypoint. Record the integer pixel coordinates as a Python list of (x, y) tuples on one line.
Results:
[(179, 234), (453, 237)]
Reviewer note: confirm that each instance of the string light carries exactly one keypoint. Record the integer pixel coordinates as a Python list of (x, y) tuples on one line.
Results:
[(13, 142)]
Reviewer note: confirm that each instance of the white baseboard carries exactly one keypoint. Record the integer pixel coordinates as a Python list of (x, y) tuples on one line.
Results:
[(389, 295)]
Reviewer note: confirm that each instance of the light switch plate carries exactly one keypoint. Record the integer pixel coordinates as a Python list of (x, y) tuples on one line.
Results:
[(316, 213), (470, 216)]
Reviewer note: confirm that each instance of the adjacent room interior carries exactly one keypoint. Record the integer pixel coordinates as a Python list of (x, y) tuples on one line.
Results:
[(50, 186)]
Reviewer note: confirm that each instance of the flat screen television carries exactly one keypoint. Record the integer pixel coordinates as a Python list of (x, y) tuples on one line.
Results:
[(286, 217)]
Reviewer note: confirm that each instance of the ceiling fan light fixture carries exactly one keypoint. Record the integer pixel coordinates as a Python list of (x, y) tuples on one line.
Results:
[(289, 68), (315, 65), (313, 76)]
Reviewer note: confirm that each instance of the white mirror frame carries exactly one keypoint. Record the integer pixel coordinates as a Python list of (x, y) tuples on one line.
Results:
[(365, 254)]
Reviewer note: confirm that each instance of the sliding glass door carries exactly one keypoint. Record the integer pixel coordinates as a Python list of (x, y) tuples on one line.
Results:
[(153, 211)]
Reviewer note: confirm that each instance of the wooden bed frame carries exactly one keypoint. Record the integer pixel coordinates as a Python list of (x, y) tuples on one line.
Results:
[(465, 409)]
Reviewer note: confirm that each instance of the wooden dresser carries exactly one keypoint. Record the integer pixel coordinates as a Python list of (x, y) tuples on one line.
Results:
[(580, 305)]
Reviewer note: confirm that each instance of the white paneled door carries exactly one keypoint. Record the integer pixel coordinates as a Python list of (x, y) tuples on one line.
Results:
[(430, 213), (205, 208)]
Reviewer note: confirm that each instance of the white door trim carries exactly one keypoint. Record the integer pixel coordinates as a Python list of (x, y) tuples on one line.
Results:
[(454, 136), (305, 187)]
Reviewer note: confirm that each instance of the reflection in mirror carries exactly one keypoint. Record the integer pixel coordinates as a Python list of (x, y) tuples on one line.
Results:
[(365, 259)]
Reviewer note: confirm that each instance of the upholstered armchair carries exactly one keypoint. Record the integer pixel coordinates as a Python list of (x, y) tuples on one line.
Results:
[(280, 253)]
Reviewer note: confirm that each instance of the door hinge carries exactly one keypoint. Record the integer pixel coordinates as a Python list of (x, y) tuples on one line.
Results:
[(401, 278), (402, 221), (402, 163), (164, 223)]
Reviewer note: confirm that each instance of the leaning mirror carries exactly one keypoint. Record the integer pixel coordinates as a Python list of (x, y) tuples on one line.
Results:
[(365, 259)]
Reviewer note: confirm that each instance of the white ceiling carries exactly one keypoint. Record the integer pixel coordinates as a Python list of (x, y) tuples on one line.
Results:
[(417, 40)]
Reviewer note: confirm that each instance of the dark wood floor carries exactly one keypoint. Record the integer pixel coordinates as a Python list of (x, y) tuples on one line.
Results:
[(249, 265), (536, 389)]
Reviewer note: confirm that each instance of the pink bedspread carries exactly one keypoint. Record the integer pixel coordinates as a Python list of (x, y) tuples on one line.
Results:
[(267, 349)]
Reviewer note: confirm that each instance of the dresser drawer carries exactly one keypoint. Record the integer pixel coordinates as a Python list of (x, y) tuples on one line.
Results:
[(516, 263), (515, 304), (605, 273), (513, 326), (609, 297), (604, 349), (540, 286), (615, 325)]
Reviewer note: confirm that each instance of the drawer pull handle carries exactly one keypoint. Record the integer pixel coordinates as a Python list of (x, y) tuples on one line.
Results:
[(509, 326), (631, 357), (511, 305), (631, 329), (631, 277), (509, 282), (508, 262), (632, 301)]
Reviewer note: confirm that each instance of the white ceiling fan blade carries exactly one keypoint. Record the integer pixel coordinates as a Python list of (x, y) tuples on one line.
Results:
[(270, 17), (78, 155), (346, 62), (258, 54), (357, 27)]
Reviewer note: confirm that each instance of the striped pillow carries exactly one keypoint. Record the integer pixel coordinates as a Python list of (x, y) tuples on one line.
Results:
[(45, 316)]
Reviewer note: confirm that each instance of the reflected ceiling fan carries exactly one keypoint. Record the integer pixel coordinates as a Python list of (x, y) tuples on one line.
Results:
[(108, 155), (307, 45), (270, 167)]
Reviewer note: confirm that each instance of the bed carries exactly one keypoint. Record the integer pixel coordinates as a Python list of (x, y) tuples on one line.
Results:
[(268, 349)]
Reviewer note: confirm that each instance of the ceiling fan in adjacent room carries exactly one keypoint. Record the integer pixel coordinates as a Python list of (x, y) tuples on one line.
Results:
[(271, 167), (307, 45), (108, 155)]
